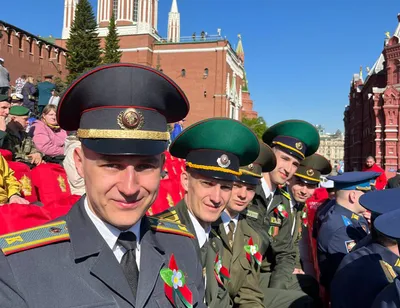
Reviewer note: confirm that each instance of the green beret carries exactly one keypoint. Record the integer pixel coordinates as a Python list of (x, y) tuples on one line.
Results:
[(3, 98), (311, 169), (19, 111), (216, 147)]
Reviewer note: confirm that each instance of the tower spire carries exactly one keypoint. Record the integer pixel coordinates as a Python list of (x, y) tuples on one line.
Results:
[(69, 15), (239, 49), (174, 23)]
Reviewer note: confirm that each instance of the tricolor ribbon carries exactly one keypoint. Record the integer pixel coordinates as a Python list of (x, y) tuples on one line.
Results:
[(252, 251), (174, 286), (220, 271), (280, 210), (304, 217)]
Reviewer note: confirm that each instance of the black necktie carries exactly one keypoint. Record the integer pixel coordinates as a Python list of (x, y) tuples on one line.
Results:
[(231, 227), (128, 262)]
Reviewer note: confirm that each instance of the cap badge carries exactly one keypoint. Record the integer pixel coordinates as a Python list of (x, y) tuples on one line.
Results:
[(310, 172), (299, 146), (130, 119), (223, 161), (251, 167)]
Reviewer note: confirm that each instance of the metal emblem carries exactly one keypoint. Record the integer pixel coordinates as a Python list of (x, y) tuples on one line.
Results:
[(251, 167), (130, 119), (223, 161), (310, 172), (299, 145), (55, 230)]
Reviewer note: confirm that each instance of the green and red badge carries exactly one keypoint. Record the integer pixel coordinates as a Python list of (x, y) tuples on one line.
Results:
[(280, 210), (220, 271), (304, 217), (252, 251), (175, 286)]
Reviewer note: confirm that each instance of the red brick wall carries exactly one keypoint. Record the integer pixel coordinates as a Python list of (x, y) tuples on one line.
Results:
[(23, 57)]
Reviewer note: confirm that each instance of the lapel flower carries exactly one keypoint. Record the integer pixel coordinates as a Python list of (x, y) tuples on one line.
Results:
[(220, 271), (252, 252)]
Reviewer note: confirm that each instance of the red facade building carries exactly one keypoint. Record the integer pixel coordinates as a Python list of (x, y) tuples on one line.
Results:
[(371, 119)]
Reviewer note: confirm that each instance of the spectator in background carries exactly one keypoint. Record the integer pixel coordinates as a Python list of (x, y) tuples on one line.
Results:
[(75, 181), (29, 93), (370, 165), (178, 127), (4, 112), (394, 182), (47, 135), (55, 98), (44, 89), (16, 99), (19, 84), (4, 78)]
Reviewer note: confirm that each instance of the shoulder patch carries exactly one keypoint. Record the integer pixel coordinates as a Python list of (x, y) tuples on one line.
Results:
[(169, 215), (284, 193), (350, 245), (34, 237), (169, 226), (346, 221)]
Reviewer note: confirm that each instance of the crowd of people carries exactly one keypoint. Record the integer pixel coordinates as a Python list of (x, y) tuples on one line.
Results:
[(253, 223)]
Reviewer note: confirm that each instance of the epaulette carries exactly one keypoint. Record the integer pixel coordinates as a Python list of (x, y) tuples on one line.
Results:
[(169, 215), (169, 226), (388, 271), (34, 237), (284, 193)]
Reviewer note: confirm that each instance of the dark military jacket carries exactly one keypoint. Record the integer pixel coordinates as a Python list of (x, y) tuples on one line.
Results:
[(74, 266), (275, 233), (389, 297), (216, 294), (297, 219), (340, 231), (19, 143), (244, 284), (373, 267)]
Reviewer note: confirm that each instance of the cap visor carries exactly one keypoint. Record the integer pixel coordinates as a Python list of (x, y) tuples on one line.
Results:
[(248, 179), (214, 174), (125, 146)]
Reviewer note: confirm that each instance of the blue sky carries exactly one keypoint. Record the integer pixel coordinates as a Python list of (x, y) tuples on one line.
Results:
[(300, 55)]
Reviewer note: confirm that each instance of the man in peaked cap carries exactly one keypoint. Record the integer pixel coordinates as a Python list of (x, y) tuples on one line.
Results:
[(388, 225), (212, 166), (291, 141), (344, 225), (241, 243), (105, 251), (364, 264)]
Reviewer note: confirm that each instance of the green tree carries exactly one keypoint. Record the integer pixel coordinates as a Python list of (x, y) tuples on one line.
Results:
[(83, 44), (112, 54), (257, 125), (61, 86)]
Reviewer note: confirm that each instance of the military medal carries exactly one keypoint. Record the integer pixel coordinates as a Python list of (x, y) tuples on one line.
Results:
[(280, 210), (220, 271), (174, 286), (252, 251)]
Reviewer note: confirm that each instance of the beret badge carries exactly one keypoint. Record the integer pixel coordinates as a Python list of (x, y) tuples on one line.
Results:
[(130, 119), (299, 146)]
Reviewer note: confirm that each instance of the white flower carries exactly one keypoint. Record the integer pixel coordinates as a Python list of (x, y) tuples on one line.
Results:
[(253, 250), (219, 266), (176, 279)]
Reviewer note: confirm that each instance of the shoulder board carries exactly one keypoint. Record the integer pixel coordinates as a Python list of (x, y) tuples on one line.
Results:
[(388, 270), (168, 215), (34, 237), (169, 226), (284, 193)]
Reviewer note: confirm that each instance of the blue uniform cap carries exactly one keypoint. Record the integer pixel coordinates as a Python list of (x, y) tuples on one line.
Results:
[(388, 224), (381, 201), (356, 180)]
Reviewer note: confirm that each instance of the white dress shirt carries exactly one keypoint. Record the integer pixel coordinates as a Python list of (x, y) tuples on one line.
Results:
[(292, 204), (226, 219), (267, 191), (110, 234), (202, 234)]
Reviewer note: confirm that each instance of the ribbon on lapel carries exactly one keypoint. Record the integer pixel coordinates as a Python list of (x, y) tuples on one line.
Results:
[(252, 251), (281, 210), (220, 271), (175, 286)]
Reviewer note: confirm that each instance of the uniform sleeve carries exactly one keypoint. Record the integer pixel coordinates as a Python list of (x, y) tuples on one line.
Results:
[(10, 296), (12, 186), (388, 297), (250, 294), (285, 254)]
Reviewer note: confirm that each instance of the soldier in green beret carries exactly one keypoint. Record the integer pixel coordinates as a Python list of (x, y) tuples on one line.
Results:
[(213, 157), (301, 187), (18, 141), (240, 242), (268, 214)]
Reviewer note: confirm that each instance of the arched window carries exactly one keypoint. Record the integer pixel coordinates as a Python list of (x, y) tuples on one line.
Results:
[(135, 10), (183, 72)]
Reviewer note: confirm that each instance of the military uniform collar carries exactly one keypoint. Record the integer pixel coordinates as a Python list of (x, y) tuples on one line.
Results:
[(348, 213), (202, 234)]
